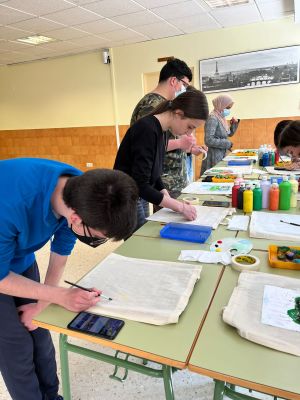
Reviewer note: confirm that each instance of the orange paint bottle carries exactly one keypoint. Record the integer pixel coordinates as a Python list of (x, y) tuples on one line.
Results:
[(274, 197)]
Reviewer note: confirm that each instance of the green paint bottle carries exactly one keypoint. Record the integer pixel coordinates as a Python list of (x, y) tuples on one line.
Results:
[(284, 194), (257, 197)]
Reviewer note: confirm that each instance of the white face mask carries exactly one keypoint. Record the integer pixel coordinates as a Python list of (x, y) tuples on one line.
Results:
[(182, 90)]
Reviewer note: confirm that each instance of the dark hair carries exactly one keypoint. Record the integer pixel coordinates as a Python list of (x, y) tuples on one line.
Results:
[(193, 103), (290, 136), (177, 68), (105, 200), (278, 129)]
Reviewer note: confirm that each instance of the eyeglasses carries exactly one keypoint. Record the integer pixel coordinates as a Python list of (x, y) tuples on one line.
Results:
[(95, 241), (185, 84)]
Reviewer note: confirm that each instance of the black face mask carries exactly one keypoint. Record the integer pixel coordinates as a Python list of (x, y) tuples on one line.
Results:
[(89, 240)]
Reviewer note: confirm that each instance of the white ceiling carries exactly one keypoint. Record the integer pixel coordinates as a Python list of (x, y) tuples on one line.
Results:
[(85, 25)]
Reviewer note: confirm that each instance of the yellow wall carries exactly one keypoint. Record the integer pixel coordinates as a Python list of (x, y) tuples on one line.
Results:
[(63, 92), (78, 90), (134, 60)]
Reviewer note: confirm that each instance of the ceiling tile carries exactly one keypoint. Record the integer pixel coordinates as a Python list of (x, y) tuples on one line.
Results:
[(183, 9), (90, 41), (73, 16), (36, 51), (158, 30), (37, 25), (8, 33), (136, 19), (14, 46), (9, 15), (100, 26), (195, 23), (59, 45), (236, 15), (81, 2), (67, 33), (271, 9), (119, 43), (124, 34), (38, 7), (156, 3), (112, 8)]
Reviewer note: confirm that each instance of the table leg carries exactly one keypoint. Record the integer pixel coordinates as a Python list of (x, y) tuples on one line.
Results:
[(64, 362), (219, 390), (167, 376)]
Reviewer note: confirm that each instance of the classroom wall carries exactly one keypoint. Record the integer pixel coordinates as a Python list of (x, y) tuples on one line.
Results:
[(77, 91), (277, 101), (69, 91), (67, 108)]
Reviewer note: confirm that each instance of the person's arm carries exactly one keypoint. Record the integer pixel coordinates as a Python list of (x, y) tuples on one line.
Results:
[(234, 123), (211, 140), (72, 299), (196, 150), (185, 142), (184, 208)]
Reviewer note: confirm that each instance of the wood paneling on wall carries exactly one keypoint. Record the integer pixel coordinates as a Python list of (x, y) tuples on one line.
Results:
[(75, 146), (98, 145), (250, 134)]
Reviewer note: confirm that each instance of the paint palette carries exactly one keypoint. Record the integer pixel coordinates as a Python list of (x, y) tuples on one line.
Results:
[(235, 246)]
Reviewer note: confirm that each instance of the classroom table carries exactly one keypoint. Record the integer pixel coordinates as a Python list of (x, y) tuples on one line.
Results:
[(229, 359), (168, 345), (152, 228), (207, 345), (223, 355)]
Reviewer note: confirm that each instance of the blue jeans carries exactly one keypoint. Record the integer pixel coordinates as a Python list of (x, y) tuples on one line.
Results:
[(142, 212), (27, 358), (189, 168)]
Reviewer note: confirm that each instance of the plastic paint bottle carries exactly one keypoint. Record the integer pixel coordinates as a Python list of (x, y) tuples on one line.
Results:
[(284, 194), (265, 187), (294, 191), (234, 194), (257, 197), (265, 159), (239, 179), (276, 156), (248, 200), (273, 157), (241, 196), (274, 197)]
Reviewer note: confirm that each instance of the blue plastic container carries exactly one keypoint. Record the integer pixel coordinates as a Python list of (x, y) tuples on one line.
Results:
[(188, 233), (239, 162), (278, 179)]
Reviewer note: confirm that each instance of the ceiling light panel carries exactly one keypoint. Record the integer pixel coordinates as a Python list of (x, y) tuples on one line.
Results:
[(225, 3), (36, 39)]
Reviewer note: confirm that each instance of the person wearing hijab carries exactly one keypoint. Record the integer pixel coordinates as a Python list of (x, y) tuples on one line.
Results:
[(217, 130)]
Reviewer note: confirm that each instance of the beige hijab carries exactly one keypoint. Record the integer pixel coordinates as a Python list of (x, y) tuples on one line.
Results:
[(219, 103)]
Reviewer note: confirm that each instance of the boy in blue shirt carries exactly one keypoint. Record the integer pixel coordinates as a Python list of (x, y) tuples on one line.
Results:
[(42, 200)]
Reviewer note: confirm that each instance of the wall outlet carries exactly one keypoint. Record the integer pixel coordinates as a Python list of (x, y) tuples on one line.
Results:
[(89, 164)]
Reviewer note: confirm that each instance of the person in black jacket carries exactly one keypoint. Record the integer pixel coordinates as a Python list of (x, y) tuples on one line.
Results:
[(142, 150)]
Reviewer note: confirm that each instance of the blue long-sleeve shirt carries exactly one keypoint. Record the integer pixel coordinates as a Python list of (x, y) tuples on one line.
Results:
[(27, 221)]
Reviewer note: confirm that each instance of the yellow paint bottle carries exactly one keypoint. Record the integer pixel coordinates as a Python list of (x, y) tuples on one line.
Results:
[(248, 200)]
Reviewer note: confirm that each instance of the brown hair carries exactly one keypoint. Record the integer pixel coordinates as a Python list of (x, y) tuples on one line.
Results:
[(290, 136), (192, 103), (279, 128)]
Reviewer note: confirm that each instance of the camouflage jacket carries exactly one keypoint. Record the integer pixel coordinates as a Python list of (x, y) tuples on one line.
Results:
[(174, 169)]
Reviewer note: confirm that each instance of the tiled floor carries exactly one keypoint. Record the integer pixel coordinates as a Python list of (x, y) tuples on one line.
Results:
[(89, 378)]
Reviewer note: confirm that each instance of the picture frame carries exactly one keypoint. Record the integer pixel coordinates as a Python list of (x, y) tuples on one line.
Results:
[(251, 70)]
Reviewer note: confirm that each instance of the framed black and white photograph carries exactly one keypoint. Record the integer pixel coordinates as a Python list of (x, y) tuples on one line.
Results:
[(250, 70)]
